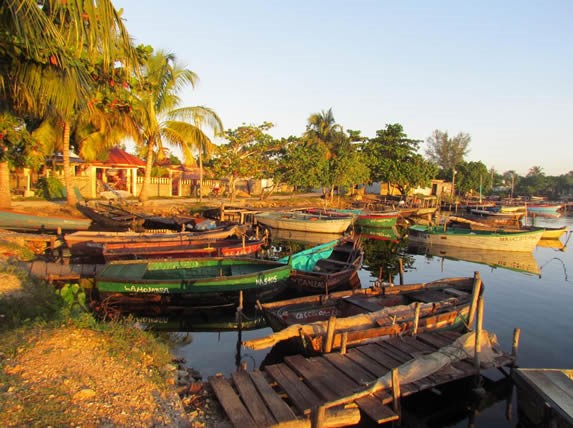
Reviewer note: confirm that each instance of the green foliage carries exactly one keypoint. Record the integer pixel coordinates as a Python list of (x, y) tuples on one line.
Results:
[(17, 146), (471, 176), (306, 166), (392, 159), (51, 188), (74, 299)]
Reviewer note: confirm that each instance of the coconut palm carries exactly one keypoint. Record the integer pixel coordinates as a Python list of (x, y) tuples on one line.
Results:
[(322, 129), (161, 120), (47, 58)]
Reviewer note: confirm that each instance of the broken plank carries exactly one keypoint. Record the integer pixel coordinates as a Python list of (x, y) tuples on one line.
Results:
[(378, 412)]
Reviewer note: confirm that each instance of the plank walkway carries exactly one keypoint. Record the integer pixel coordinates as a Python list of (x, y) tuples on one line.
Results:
[(292, 390)]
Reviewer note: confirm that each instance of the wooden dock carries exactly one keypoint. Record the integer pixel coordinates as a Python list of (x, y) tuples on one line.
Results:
[(545, 396), (330, 389)]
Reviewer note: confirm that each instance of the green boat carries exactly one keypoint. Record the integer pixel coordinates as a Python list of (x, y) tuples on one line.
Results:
[(16, 220), (205, 282)]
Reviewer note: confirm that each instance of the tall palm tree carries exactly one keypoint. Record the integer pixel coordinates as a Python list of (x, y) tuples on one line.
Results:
[(159, 117), (322, 129), (46, 60)]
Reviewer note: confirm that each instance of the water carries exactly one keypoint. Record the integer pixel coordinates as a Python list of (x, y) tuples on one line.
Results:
[(537, 299)]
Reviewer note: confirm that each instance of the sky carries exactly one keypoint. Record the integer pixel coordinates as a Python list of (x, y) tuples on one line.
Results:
[(501, 72)]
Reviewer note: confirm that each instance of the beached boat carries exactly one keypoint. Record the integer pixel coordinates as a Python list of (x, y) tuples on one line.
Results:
[(478, 239), (380, 233), (15, 220), (364, 314), (90, 243), (108, 217), (194, 248), (210, 281), (304, 222), (326, 268)]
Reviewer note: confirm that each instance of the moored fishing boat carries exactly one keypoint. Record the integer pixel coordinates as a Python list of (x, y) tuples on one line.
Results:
[(108, 217), (198, 248), (209, 282), (304, 222), (326, 268), (481, 239), (363, 314), (88, 243), (16, 220), (378, 219), (544, 210)]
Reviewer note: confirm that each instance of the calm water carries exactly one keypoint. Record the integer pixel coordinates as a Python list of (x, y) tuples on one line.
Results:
[(538, 300)]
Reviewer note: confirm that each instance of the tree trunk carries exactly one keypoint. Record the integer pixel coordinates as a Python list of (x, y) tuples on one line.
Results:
[(144, 194), (70, 195), (5, 197), (200, 176)]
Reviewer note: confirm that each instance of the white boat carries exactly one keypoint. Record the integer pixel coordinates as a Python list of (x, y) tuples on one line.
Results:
[(304, 222)]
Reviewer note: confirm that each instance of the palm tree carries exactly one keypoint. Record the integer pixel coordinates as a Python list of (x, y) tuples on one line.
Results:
[(46, 60), (159, 118), (323, 130)]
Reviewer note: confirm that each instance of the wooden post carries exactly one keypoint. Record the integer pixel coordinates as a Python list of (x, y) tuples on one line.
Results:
[(222, 212), (515, 344), (475, 296), (478, 330), (401, 263), (329, 334), (396, 391), (344, 343), (319, 417), (416, 318)]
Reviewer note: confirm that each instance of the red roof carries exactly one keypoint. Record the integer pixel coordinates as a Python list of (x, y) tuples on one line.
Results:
[(118, 157)]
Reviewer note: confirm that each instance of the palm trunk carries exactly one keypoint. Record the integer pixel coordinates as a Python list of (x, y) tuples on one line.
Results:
[(5, 197), (143, 195), (200, 176), (70, 195)]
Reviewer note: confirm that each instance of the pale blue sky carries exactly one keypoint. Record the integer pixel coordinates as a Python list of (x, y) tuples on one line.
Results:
[(501, 71)]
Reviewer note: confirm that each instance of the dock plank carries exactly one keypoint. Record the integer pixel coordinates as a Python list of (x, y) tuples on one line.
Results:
[(319, 381), (377, 354), (303, 398), (338, 380), (230, 401), (351, 368), (376, 411), (554, 387), (367, 363), (280, 410), (252, 399)]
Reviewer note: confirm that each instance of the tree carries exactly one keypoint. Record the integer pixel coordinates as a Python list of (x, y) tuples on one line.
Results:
[(305, 165), (159, 118), (244, 155), (473, 177), (447, 152), (392, 159), (49, 44)]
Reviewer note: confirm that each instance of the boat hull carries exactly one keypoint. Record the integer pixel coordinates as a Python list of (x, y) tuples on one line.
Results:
[(466, 238), (305, 222), (377, 220), (14, 220), (202, 281)]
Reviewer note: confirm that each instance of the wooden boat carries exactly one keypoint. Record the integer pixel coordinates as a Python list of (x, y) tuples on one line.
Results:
[(90, 243), (108, 217), (548, 232), (544, 397), (15, 220), (378, 219), (367, 313), (304, 222), (519, 261), (208, 282), (544, 210), (477, 239), (326, 268), (496, 217), (302, 237), (194, 248)]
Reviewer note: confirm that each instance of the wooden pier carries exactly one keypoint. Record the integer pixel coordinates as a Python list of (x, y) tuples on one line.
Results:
[(335, 389), (545, 396)]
